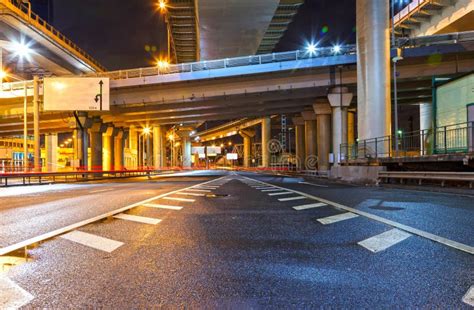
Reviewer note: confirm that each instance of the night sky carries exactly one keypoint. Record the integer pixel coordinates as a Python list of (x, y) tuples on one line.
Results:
[(117, 32)]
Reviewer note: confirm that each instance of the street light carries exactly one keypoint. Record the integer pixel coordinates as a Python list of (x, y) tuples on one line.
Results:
[(336, 49), (20, 49), (311, 48)]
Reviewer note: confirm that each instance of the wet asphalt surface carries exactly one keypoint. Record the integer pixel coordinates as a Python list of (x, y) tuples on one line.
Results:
[(249, 250)]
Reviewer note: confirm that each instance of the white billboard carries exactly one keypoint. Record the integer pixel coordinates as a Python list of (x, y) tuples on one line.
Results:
[(232, 156), (76, 94)]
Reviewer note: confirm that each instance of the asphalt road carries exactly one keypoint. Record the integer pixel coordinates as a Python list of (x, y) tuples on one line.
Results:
[(244, 247)]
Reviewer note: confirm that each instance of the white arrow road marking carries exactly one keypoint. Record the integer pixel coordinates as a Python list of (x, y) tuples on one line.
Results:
[(93, 241), (11, 295), (337, 218), (138, 219), (384, 240)]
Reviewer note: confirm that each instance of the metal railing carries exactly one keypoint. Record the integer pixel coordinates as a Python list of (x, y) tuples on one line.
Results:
[(321, 52), (452, 139), (26, 13)]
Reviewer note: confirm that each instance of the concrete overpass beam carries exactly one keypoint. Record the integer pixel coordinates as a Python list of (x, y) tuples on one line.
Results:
[(373, 68), (310, 138), (247, 135), (298, 122), (51, 148), (266, 136), (340, 99), (323, 120)]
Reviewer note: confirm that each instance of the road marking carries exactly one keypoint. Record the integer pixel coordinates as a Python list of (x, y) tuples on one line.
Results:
[(271, 190), (292, 198), (199, 190), (266, 187), (159, 206), (11, 295), (415, 231), (138, 219), (312, 184), (207, 187), (337, 218), (100, 190), (280, 193), (62, 230), (179, 199), (309, 206), (384, 240), (467, 299), (93, 241), (190, 194)]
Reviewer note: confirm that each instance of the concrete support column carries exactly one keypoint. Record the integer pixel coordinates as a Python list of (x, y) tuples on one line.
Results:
[(266, 136), (310, 138), (340, 99), (186, 151), (51, 148), (323, 120), (133, 147), (247, 136), (426, 126), (158, 148), (298, 122), (36, 129), (108, 150), (351, 127), (373, 69), (118, 150), (95, 133)]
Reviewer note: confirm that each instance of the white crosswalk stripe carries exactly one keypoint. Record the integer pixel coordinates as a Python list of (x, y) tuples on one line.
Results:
[(271, 190), (199, 190), (309, 206), (280, 193), (337, 218), (160, 206), (138, 219), (190, 194), (11, 295), (384, 240), (179, 199), (292, 198), (469, 297), (93, 241)]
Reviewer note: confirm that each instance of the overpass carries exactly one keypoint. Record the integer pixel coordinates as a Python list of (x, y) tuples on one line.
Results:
[(213, 29)]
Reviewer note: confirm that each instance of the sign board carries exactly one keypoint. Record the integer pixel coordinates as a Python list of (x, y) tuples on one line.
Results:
[(198, 150), (232, 156), (76, 94), (213, 150)]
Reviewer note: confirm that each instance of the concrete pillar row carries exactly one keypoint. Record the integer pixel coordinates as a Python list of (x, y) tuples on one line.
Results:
[(247, 135), (339, 98), (133, 147), (186, 146), (322, 110), (51, 148), (266, 136), (298, 122)]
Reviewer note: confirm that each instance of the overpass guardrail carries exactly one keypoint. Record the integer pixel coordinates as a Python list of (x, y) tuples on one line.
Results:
[(452, 139), (278, 57)]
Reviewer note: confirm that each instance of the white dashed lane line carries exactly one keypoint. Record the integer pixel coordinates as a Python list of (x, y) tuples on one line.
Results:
[(93, 241), (384, 240), (160, 206), (337, 218), (309, 206), (138, 219)]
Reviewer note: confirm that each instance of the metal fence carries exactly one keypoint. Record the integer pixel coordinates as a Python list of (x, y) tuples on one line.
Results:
[(452, 139)]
